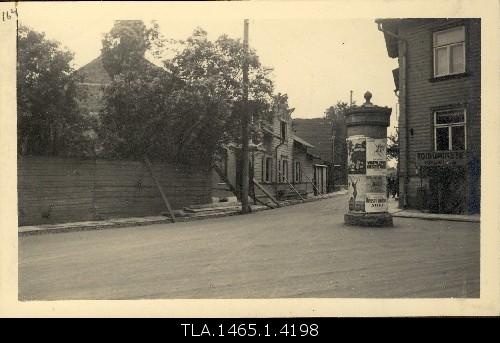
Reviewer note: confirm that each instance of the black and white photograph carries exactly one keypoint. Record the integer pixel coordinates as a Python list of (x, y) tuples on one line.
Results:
[(269, 158)]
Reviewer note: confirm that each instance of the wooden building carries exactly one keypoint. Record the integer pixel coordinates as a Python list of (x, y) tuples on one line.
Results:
[(439, 87), (282, 164), (329, 146)]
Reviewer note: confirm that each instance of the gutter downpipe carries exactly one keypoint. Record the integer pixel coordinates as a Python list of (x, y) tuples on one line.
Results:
[(404, 63)]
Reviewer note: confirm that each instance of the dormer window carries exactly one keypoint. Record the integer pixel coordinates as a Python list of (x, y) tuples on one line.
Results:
[(449, 51), (283, 129)]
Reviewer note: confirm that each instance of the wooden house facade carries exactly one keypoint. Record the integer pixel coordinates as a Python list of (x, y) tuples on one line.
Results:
[(439, 87), (281, 164)]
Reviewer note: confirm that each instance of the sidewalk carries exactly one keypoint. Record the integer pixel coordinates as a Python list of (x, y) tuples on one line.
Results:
[(409, 213), (150, 220)]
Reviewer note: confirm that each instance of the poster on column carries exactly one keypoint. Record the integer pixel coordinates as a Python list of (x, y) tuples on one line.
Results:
[(376, 184), (356, 155), (375, 202), (357, 190), (376, 156)]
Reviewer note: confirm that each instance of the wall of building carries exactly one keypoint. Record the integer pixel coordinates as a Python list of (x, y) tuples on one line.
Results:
[(278, 150), (426, 93), (56, 190)]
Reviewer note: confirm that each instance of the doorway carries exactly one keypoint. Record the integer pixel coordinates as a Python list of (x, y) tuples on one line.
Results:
[(320, 179)]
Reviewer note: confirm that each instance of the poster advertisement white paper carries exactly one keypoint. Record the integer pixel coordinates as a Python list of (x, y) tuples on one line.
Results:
[(376, 157), (357, 190), (375, 202)]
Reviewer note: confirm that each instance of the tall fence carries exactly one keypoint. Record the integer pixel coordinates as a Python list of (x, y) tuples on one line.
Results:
[(56, 190)]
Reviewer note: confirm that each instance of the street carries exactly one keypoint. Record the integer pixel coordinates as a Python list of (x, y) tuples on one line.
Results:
[(302, 251)]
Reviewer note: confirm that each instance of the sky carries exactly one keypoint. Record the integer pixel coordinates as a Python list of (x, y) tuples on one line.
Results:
[(316, 60)]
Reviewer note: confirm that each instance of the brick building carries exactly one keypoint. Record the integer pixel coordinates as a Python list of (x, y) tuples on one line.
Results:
[(439, 87)]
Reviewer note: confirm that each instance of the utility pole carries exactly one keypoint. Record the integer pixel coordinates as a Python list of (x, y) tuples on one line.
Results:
[(350, 103), (244, 127)]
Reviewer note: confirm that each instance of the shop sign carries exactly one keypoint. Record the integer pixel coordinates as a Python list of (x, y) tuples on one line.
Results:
[(441, 158)]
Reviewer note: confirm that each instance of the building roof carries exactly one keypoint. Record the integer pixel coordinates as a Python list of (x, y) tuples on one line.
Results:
[(391, 43), (317, 132), (94, 79), (94, 72), (301, 141)]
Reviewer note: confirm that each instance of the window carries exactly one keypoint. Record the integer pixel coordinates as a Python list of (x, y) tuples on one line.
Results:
[(283, 129), (297, 171), (449, 130), (268, 169), (284, 171), (449, 51)]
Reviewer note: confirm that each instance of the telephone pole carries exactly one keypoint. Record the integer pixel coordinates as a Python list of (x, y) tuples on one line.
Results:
[(244, 127)]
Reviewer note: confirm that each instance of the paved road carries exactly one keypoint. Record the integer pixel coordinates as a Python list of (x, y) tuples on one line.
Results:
[(299, 251)]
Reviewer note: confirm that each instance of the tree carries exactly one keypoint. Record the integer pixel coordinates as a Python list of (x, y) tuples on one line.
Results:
[(336, 116), (208, 81), (393, 146), (135, 120), (124, 47), (186, 109), (48, 116)]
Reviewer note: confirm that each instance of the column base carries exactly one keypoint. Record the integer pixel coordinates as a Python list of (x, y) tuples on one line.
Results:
[(368, 219)]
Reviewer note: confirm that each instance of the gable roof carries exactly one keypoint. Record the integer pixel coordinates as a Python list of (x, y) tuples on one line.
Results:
[(94, 72), (318, 133)]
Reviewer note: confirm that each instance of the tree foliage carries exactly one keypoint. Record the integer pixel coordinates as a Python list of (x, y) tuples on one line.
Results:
[(393, 146), (336, 116), (48, 116), (124, 47), (184, 110)]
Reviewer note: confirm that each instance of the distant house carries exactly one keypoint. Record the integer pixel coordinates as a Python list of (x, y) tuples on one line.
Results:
[(329, 146), (439, 85), (94, 78), (282, 164)]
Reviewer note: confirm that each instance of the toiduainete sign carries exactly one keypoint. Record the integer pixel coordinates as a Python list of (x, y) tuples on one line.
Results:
[(441, 158)]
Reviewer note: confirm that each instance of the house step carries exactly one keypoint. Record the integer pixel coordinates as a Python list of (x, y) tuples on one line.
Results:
[(213, 214), (217, 204), (211, 209)]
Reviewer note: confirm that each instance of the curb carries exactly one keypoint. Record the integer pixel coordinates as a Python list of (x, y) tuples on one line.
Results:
[(143, 221), (429, 216)]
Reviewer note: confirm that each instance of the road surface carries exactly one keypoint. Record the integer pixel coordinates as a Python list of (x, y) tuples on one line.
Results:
[(300, 251)]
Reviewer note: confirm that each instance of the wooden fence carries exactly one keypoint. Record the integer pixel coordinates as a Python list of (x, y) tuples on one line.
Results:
[(57, 190)]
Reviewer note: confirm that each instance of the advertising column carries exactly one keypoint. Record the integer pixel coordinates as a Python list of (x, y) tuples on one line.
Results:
[(367, 164)]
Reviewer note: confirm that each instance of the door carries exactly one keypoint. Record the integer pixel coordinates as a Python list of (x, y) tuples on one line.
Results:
[(320, 179)]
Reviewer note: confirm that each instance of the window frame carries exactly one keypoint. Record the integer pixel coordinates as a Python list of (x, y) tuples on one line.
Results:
[(450, 126), (448, 54), (284, 175), (268, 171), (297, 177), (283, 129)]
